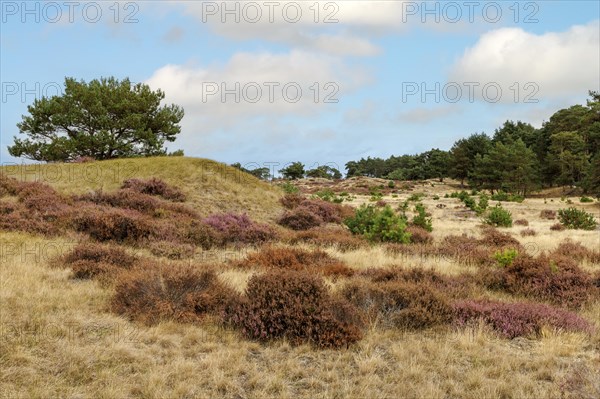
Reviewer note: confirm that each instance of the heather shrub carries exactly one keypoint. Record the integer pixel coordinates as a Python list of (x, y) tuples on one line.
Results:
[(112, 224), (575, 251), (15, 217), (300, 218), (499, 217), (557, 227), (521, 222), (171, 292), (8, 186), (573, 218), (378, 224), (555, 279), (511, 320), (328, 212), (126, 198), (294, 306), (155, 187), (291, 201), (419, 235), (338, 237), (189, 231), (296, 259), (172, 250), (528, 232), (548, 214), (399, 304), (462, 286), (467, 250), (237, 228)]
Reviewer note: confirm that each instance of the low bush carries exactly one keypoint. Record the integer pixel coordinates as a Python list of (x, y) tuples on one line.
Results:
[(328, 212), (511, 320), (528, 233), (237, 228), (586, 199), (555, 279), (573, 218), (521, 222), (505, 257), (171, 292), (576, 251), (340, 238), (295, 259), (399, 304), (8, 186), (422, 218), (290, 201), (172, 250), (548, 214), (507, 197), (419, 235), (294, 306), (378, 224), (112, 224), (557, 227), (498, 217), (156, 187), (300, 218)]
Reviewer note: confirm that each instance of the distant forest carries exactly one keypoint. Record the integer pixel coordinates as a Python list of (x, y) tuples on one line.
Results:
[(565, 151)]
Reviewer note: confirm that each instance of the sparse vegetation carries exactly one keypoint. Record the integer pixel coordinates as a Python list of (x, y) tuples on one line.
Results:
[(573, 218)]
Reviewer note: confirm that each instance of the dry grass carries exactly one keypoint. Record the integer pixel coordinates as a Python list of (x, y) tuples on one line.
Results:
[(58, 337)]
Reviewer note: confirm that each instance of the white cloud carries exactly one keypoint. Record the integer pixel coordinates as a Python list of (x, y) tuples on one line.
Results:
[(209, 113), (560, 64)]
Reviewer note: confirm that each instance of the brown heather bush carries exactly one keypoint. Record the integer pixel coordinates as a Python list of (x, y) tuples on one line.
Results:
[(511, 320), (557, 227), (521, 222), (93, 260), (170, 292), (295, 306), (576, 251), (238, 228), (300, 218), (338, 237), (419, 235), (329, 212), (8, 186), (556, 279), (548, 214), (156, 187), (467, 250), (296, 259), (528, 232), (113, 224), (172, 250), (497, 240), (461, 286), (291, 201), (399, 304), (15, 217)]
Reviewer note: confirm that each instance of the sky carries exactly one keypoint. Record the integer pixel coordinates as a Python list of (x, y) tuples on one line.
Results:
[(321, 82)]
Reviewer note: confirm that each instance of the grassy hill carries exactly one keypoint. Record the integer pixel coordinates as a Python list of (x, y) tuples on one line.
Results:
[(209, 186)]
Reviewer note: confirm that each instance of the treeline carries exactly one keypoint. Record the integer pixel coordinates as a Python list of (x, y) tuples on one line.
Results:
[(518, 158)]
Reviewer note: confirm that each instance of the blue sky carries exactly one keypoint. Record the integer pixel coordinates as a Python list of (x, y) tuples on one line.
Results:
[(376, 58)]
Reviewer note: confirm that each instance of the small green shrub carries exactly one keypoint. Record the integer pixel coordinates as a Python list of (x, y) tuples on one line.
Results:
[(483, 203), (416, 197), (421, 219), (585, 199), (378, 224), (436, 197), (391, 184), (506, 257), (507, 197), (290, 188), (498, 217), (573, 218)]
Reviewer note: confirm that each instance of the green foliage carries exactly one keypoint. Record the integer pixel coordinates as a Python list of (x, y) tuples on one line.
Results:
[(391, 184), (483, 203), (499, 217), (585, 199), (329, 196), (293, 171), (325, 172), (416, 197), (290, 188), (573, 218), (436, 197), (421, 219), (506, 197), (506, 257), (103, 119), (379, 224)]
